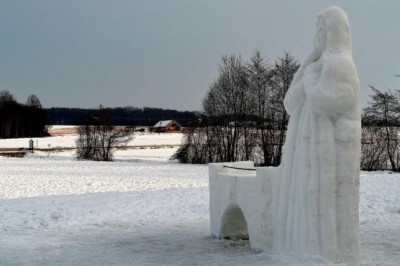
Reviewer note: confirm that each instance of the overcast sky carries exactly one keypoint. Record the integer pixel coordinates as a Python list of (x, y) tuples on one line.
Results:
[(82, 53)]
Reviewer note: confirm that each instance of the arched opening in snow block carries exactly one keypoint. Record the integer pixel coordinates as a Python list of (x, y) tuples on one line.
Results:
[(233, 224)]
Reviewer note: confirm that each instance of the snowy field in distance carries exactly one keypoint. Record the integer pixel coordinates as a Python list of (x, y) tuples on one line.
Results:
[(68, 141), (146, 210)]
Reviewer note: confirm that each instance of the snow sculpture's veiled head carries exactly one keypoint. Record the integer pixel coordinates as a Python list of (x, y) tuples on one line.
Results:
[(329, 64), (333, 32)]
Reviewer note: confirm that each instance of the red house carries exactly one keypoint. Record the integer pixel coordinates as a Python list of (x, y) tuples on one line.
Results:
[(167, 126)]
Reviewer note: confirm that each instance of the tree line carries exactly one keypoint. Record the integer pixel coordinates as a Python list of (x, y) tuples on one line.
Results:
[(21, 120), (123, 116)]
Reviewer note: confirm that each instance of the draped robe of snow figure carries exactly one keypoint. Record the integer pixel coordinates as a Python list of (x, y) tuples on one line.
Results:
[(316, 204)]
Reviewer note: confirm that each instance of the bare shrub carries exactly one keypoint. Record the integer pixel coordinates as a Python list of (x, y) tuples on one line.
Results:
[(98, 138)]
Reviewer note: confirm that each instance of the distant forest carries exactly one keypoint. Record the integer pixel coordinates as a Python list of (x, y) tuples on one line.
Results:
[(123, 116)]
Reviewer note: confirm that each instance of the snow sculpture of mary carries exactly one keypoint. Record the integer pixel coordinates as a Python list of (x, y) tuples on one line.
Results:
[(316, 206)]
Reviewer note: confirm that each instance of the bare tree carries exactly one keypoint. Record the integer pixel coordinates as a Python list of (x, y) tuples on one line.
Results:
[(33, 101), (244, 114), (383, 112), (269, 86), (98, 138), (260, 79), (35, 117), (9, 110), (228, 108), (283, 73)]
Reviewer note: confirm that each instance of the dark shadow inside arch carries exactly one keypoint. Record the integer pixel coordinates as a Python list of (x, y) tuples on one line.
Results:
[(233, 224)]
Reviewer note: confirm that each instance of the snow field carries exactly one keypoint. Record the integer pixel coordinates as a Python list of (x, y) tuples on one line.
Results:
[(380, 199), (69, 141), (38, 176), (146, 210)]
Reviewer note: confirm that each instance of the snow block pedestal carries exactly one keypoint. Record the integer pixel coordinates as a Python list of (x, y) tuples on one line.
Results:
[(245, 204), (240, 203)]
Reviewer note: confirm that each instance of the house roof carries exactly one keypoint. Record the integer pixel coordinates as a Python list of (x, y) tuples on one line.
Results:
[(165, 123)]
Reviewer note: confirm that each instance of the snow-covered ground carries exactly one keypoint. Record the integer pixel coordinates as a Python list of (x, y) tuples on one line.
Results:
[(143, 209)]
